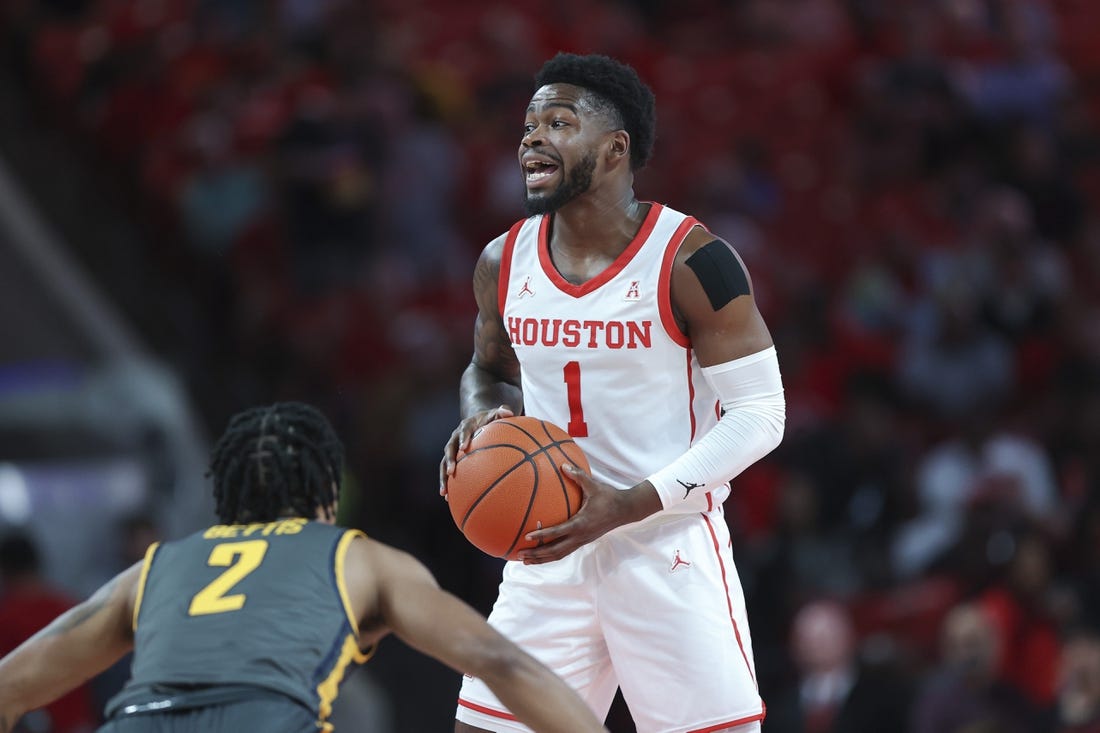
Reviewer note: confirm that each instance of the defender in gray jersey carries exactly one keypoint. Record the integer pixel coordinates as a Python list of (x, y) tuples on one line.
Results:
[(253, 623)]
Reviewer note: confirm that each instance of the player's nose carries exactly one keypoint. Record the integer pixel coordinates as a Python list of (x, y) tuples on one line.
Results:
[(533, 137)]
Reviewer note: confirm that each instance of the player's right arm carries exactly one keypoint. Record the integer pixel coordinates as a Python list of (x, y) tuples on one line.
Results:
[(407, 601), (77, 645), (490, 386)]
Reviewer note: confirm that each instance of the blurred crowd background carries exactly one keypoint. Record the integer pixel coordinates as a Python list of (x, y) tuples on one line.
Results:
[(284, 199)]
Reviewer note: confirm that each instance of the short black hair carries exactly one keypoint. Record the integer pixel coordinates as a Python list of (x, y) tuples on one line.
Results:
[(276, 459), (615, 84), (18, 556)]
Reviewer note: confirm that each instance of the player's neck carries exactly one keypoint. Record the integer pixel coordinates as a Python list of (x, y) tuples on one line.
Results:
[(590, 225)]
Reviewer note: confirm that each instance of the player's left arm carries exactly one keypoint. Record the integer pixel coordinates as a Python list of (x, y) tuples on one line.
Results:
[(74, 647), (713, 300)]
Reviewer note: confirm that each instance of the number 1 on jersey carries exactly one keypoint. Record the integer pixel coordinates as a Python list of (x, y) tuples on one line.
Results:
[(577, 427)]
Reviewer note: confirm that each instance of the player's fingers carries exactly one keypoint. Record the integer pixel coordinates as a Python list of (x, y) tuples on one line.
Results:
[(549, 552), (470, 426), (549, 534), (443, 476), (578, 475), (450, 452)]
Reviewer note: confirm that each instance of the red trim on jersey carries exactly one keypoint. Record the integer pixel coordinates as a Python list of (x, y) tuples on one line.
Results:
[(729, 603), (487, 711), (506, 265), (731, 723), (664, 282), (612, 270), (691, 398), (710, 502)]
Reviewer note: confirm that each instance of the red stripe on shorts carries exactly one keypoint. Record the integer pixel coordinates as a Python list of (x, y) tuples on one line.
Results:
[(729, 724), (729, 603), (487, 711)]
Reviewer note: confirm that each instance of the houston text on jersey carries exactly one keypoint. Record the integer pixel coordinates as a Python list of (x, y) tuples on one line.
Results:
[(575, 334)]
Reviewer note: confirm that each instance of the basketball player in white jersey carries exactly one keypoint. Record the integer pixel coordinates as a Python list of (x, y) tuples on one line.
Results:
[(631, 326)]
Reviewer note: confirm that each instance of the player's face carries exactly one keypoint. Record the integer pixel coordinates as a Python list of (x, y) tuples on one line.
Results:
[(558, 152)]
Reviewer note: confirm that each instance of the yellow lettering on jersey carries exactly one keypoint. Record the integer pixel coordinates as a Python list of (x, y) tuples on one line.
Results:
[(232, 531), (330, 687), (291, 526), (239, 559)]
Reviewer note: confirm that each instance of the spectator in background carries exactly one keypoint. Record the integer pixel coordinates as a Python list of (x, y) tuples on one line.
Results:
[(955, 363), (859, 462), (1030, 82), (799, 559), (136, 533), (835, 692), (225, 192), (1077, 707), (963, 693), (1019, 278), (27, 603), (1022, 609), (985, 471)]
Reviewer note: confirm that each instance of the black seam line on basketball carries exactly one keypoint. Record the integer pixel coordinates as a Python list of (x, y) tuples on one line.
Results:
[(545, 449), (526, 514), (541, 450), (552, 444), (535, 488), (527, 458), (487, 447), (542, 424), (561, 478)]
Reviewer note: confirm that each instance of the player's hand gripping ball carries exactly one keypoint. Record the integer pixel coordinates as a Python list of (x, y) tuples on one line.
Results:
[(509, 482)]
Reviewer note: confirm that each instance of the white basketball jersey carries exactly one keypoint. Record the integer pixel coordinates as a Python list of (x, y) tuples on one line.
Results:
[(606, 360)]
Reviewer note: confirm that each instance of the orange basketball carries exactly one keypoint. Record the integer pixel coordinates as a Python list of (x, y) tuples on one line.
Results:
[(508, 482)]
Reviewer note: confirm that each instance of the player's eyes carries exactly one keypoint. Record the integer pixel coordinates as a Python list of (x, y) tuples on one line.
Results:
[(555, 124)]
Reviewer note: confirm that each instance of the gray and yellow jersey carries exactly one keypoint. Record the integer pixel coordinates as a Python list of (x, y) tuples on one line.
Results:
[(259, 606)]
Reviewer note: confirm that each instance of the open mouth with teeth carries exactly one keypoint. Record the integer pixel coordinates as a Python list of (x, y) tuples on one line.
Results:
[(538, 170)]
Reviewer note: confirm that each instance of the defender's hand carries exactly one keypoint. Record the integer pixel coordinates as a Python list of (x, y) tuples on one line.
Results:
[(460, 441), (603, 508)]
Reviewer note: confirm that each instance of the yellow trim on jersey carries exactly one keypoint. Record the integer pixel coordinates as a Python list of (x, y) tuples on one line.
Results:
[(341, 582), (330, 687), (145, 565)]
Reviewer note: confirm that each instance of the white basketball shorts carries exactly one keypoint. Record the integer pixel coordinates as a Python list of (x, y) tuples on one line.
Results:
[(655, 608)]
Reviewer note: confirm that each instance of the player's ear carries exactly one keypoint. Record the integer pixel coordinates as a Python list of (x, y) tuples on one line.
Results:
[(619, 146)]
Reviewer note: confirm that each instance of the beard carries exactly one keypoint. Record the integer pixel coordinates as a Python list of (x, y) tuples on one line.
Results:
[(576, 183)]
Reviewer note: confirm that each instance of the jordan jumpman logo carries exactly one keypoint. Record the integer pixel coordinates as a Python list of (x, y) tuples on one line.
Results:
[(679, 562), (688, 486)]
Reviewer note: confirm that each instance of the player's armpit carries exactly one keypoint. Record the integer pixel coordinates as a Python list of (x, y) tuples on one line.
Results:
[(493, 351), (493, 376)]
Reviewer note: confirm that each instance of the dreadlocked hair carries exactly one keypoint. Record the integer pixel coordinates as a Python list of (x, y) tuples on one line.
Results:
[(274, 460), (615, 86)]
